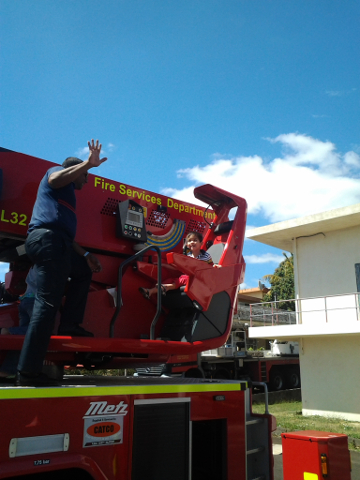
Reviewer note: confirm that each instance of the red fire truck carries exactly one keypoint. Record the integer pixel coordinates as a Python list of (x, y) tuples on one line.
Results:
[(102, 428), (278, 368), (131, 428)]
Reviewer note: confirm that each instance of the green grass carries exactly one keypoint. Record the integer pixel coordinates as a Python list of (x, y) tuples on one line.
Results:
[(289, 418)]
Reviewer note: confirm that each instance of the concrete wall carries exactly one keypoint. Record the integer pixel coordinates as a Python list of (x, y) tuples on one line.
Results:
[(325, 264), (330, 376), (329, 343), (330, 365)]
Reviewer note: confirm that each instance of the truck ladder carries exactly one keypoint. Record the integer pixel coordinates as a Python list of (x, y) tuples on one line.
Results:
[(257, 449)]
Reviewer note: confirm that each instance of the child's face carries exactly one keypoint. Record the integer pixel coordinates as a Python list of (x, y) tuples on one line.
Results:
[(194, 245)]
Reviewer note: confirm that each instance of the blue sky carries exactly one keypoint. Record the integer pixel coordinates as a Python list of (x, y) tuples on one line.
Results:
[(259, 97)]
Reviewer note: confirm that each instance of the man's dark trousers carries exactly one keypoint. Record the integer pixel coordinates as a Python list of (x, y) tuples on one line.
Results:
[(53, 254)]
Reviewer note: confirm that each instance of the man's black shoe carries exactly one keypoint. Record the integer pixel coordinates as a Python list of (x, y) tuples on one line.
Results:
[(40, 380), (75, 331)]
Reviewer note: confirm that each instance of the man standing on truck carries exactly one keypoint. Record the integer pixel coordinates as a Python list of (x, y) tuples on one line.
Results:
[(50, 245)]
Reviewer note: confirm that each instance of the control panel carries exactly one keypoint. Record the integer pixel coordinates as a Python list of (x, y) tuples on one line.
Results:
[(130, 221)]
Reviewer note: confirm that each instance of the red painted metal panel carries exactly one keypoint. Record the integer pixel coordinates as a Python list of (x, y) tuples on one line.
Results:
[(302, 451), (37, 417)]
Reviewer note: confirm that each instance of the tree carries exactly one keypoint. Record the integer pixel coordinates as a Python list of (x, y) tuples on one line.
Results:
[(282, 284)]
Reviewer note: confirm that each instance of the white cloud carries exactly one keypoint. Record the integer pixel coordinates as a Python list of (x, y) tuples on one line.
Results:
[(83, 153), (265, 258), (310, 176), (339, 93), (352, 159), (335, 93)]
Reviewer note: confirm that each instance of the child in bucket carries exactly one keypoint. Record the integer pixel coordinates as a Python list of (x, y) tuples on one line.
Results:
[(193, 243)]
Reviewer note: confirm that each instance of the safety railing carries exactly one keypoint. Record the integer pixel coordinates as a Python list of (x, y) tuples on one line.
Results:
[(312, 310), (119, 302)]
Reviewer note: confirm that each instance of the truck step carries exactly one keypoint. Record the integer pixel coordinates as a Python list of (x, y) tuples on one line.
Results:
[(254, 421), (255, 450)]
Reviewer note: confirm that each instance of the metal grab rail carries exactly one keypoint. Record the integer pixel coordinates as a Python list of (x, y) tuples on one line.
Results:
[(263, 311), (266, 394), (119, 302), (268, 309)]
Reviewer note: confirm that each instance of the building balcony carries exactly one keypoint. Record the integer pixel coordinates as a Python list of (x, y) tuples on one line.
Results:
[(330, 315)]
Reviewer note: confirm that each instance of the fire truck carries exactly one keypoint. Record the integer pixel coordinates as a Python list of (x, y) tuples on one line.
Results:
[(136, 428), (103, 427), (278, 367)]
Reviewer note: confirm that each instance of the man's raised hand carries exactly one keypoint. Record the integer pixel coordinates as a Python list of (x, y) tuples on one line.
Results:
[(94, 154)]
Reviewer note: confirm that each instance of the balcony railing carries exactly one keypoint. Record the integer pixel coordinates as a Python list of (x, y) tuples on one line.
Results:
[(313, 310)]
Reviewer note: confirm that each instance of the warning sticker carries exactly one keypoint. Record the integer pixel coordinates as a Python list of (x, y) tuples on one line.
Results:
[(103, 430)]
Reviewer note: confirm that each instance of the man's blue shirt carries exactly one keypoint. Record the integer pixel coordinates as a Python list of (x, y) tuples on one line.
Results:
[(54, 207)]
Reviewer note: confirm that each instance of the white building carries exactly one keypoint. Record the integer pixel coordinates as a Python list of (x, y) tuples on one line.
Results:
[(326, 250)]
